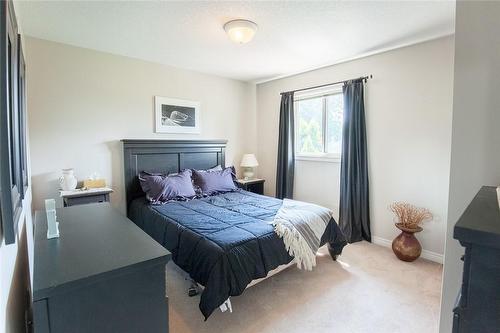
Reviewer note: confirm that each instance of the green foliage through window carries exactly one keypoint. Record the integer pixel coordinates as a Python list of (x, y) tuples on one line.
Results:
[(319, 124)]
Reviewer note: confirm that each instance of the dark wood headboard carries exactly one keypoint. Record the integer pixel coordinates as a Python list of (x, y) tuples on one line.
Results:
[(167, 156)]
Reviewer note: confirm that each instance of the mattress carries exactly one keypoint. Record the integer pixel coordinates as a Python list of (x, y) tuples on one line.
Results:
[(223, 241)]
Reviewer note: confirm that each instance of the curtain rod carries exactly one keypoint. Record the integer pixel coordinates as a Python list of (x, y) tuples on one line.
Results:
[(365, 78)]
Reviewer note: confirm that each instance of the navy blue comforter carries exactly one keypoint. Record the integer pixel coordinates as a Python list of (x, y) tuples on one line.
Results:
[(224, 241)]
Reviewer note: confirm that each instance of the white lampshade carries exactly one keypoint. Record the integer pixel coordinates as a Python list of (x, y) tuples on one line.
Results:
[(249, 161), (240, 31)]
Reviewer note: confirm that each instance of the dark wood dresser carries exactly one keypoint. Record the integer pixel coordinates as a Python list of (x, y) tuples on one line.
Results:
[(103, 274), (477, 307)]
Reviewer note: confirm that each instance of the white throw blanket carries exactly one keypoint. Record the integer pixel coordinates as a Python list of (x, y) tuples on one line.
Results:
[(301, 225)]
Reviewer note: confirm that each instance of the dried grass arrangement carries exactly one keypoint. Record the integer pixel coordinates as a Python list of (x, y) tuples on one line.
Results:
[(410, 216)]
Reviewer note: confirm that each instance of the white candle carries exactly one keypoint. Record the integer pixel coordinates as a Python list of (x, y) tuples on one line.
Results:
[(52, 224)]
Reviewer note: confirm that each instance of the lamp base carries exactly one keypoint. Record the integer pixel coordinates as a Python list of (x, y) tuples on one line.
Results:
[(248, 173)]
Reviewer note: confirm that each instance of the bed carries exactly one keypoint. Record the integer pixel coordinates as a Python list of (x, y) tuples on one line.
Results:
[(225, 241)]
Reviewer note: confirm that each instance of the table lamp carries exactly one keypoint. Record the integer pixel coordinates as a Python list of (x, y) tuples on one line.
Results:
[(248, 162)]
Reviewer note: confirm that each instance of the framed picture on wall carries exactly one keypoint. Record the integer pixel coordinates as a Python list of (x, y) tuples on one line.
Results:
[(177, 115)]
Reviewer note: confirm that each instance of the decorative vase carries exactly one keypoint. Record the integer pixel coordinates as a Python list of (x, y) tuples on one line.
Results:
[(406, 246), (68, 181)]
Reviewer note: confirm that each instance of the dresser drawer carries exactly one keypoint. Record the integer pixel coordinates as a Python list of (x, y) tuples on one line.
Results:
[(72, 201), (464, 292), (123, 302), (456, 323), (41, 316), (457, 312)]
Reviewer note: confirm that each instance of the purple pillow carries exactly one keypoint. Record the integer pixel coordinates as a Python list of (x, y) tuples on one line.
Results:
[(160, 188), (197, 189), (214, 181), (215, 168)]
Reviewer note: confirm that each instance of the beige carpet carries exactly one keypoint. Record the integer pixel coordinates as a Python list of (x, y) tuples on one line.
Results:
[(367, 290)]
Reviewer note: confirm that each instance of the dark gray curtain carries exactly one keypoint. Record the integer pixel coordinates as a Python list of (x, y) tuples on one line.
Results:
[(286, 148), (354, 215)]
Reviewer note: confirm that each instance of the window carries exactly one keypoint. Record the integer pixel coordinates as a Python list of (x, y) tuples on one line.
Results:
[(23, 159), (10, 171), (318, 124)]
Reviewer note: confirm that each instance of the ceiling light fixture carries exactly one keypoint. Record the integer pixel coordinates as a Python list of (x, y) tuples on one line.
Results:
[(240, 31)]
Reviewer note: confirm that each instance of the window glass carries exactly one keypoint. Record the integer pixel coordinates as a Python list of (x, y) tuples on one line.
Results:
[(11, 115), (335, 112), (309, 126), (318, 125)]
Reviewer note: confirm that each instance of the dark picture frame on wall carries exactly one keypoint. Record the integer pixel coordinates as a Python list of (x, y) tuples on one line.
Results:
[(174, 115)]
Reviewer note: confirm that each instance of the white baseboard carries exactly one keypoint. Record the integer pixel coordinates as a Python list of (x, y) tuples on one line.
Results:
[(426, 254)]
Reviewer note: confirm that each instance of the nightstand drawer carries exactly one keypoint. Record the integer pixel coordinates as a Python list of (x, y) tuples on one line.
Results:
[(72, 201), (255, 186)]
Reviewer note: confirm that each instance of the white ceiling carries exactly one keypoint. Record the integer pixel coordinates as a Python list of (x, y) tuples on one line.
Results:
[(292, 36)]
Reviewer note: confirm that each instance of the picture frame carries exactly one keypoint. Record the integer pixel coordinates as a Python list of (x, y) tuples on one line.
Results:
[(177, 116)]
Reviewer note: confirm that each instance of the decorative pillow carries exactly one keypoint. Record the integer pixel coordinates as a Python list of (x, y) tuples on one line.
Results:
[(215, 168), (197, 189), (160, 188), (219, 168), (215, 181)]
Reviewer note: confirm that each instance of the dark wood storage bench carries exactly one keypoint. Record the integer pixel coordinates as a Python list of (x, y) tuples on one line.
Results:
[(103, 274)]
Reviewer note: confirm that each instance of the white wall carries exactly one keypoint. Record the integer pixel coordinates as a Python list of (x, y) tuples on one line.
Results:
[(14, 274), (82, 102), (408, 110), (475, 150)]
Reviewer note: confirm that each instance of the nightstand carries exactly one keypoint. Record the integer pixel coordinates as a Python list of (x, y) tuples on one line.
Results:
[(82, 197), (251, 185)]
